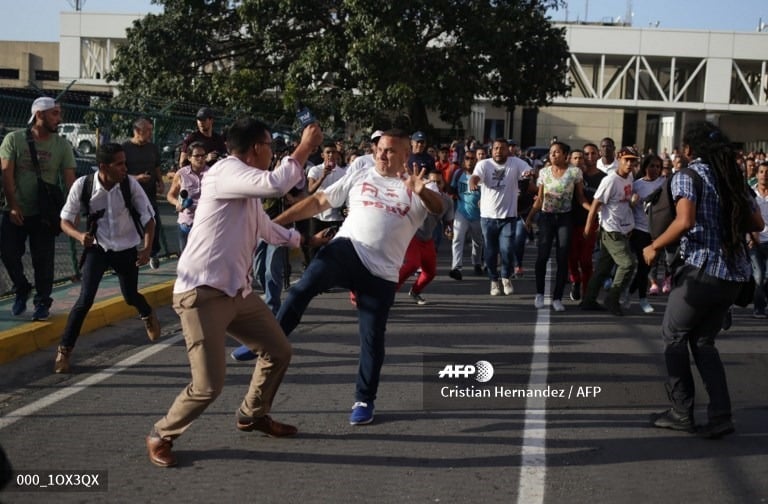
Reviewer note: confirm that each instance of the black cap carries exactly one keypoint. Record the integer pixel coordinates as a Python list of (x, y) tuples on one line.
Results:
[(205, 113)]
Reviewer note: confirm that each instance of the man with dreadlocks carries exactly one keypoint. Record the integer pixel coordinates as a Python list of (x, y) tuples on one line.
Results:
[(711, 225)]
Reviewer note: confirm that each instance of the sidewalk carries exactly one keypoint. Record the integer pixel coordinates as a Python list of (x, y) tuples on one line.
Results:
[(20, 335)]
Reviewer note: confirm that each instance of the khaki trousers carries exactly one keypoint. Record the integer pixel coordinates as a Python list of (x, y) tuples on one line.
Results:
[(207, 315)]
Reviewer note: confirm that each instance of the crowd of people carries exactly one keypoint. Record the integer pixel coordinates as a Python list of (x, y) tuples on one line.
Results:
[(369, 219)]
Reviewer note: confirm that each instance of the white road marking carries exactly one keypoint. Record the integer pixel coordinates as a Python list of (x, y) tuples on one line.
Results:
[(94, 379), (533, 463)]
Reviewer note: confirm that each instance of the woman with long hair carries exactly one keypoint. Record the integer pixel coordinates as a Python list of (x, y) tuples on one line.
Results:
[(711, 227), (558, 183), (647, 180)]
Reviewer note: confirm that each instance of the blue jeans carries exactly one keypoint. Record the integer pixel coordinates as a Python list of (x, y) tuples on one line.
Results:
[(553, 227), (268, 272), (759, 256), (521, 235), (499, 236), (338, 265), (184, 230), (42, 247), (96, 263)]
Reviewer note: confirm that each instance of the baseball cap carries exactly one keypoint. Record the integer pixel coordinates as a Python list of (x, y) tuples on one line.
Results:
[(629, 152), (204, 113), (511, 141), (41, 105), (419, 136), (376, 135)]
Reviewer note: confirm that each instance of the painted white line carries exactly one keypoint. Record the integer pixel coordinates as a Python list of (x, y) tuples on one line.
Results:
[(533, 466), (94, 379)]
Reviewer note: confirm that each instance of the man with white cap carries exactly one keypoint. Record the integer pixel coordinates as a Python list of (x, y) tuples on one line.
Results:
[(21, 218), (368, 160)]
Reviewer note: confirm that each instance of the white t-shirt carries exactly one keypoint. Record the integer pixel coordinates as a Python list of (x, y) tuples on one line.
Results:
[(615, 192), (644, 188), (316, 173), (498, 195), (607, 168), (366, 161), (383, 215)]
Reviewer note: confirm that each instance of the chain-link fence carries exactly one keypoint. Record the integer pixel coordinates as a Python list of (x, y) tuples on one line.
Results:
[(86, 127)]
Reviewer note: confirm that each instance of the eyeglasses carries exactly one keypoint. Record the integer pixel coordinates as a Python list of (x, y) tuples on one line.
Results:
[(197, 155)]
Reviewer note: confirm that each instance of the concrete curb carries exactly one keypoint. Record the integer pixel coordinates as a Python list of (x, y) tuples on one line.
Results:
[(34, 336)]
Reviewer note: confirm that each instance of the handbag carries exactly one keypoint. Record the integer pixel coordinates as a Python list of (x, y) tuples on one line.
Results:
[(50, 197)]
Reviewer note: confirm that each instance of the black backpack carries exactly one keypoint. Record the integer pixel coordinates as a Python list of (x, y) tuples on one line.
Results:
[(125, 189), (659, 206)]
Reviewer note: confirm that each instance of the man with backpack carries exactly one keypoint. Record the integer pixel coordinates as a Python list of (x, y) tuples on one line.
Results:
[(119, 218)]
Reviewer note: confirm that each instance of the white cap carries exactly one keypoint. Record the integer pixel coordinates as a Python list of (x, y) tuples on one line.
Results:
[(376, 134), (41, 105)]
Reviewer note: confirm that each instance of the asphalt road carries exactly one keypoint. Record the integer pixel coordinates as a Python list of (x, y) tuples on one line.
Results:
[(593, 446)]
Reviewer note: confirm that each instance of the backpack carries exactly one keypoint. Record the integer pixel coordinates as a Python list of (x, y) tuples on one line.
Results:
[(125, 189), (659, 206)]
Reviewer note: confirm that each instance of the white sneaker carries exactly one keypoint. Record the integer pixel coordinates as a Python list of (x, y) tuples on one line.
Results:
[(538, 301), (507, 284), (495, 291), (557, 305), (646, 306)]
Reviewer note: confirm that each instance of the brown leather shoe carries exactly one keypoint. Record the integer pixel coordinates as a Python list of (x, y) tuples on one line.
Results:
[(266, 425), (152, 325), (62, 360), (159, 450)]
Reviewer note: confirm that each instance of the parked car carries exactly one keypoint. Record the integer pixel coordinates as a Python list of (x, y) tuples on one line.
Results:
[(80, 136), (85, 165)]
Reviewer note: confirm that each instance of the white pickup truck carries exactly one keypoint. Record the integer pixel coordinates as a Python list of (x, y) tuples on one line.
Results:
[(80, 136)]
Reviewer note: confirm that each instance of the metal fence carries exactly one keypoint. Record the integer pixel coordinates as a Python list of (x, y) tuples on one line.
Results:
[(87, 127)]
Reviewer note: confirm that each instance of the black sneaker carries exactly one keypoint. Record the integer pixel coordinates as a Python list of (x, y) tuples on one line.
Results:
[(455, 274), (19, 305), (42, 312), (417, 297), (716, 429), (671, 419), (591, 306), (575, 291), (613, 306)]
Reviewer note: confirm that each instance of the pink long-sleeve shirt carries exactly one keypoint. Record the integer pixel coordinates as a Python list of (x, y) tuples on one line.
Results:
[(230, 221)]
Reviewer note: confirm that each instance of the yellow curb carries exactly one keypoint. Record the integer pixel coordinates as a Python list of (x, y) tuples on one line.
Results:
[(34, 336)]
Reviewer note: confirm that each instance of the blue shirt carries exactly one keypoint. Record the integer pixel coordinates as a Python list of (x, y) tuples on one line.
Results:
[(701, 246), (467, 202)]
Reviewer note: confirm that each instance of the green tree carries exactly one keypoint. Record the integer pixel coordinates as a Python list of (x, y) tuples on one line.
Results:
[(349, 60)]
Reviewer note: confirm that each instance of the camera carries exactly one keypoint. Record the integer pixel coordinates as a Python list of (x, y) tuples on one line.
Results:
[(186, 201)]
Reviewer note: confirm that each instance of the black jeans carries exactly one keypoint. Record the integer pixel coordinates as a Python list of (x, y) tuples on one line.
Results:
[(553, 228), (694, 315), (42, 247), (638, 241), (96, 263)]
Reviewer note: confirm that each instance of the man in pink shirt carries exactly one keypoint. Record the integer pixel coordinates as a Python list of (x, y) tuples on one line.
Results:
[(212, 293)]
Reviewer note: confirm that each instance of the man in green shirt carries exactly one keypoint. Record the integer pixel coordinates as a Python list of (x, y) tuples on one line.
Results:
[(20, 218)]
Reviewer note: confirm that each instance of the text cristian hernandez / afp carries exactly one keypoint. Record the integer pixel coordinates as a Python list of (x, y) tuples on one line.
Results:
[(522, 393)]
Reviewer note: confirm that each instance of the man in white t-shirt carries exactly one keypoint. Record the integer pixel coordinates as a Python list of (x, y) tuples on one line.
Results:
[(607, 162), (367, 160), (499, 176), (322, 176), (613, 200), (386, 205)]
